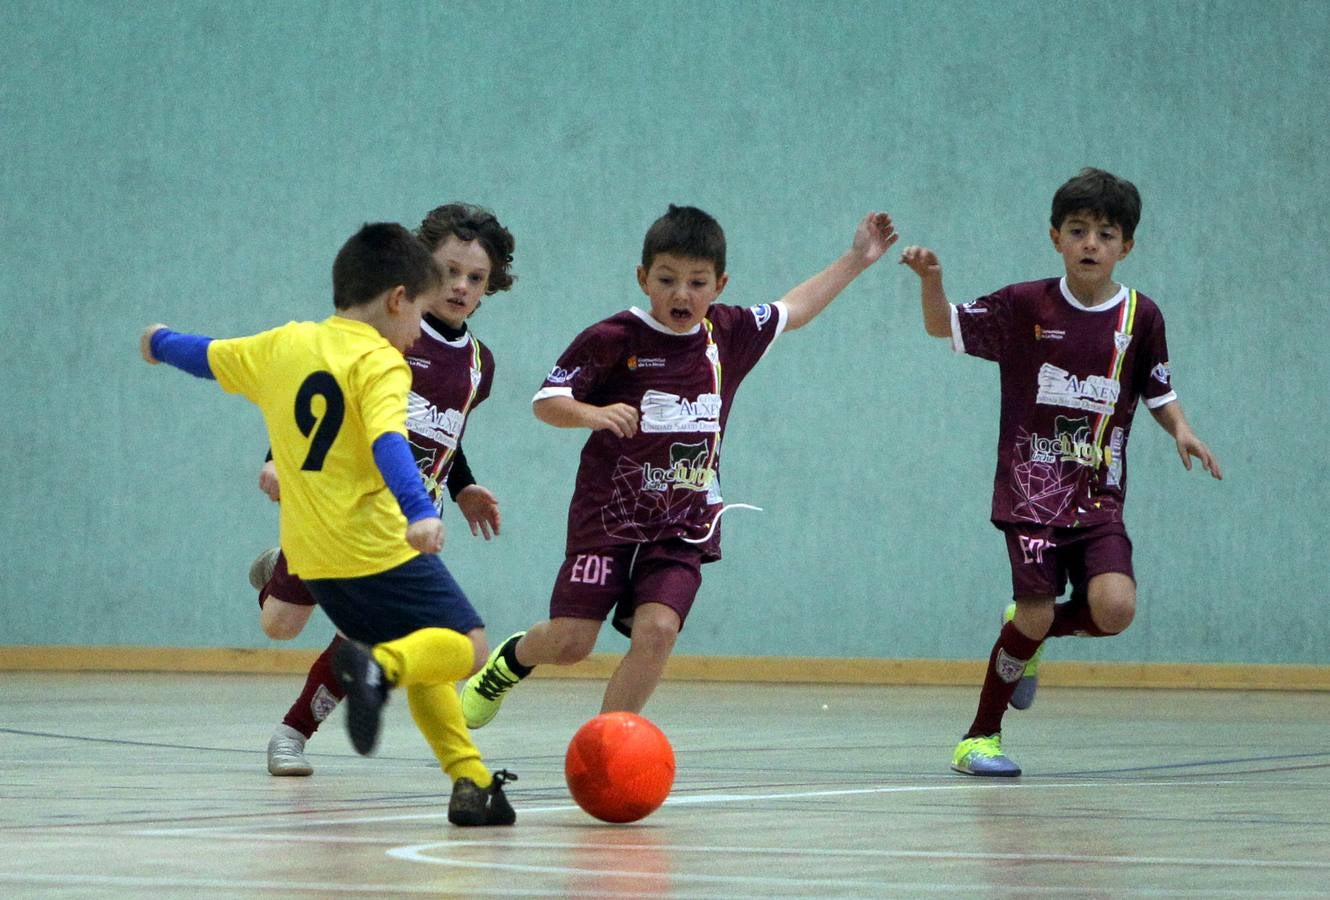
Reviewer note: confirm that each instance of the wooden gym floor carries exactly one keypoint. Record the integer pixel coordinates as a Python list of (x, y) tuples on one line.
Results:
[(154, 785)]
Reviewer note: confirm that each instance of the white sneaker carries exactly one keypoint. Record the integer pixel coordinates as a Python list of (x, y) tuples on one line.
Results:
[(260, 570), (286, 753)]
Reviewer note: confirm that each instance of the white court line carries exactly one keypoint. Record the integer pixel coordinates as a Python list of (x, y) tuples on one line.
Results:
[(697, 800)]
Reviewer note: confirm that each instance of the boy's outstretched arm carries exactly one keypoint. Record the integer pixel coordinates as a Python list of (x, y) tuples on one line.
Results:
[(936, 307), (871, 239), (187, 352), (1171, 419), (565, 412)]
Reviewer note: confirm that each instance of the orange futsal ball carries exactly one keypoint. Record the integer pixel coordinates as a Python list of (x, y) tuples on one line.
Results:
[(619, 767)]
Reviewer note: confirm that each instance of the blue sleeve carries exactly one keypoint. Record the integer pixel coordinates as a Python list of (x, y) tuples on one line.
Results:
[(393, 456), (187, 352)]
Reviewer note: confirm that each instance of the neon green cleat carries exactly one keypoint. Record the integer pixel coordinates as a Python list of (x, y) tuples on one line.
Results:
[(483, 693), (983, 756), (1023, 698)]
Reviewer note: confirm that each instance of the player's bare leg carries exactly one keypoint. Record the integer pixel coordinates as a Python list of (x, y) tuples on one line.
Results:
[(655, 629)]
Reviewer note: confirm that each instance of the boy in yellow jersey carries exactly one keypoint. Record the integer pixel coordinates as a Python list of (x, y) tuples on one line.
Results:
[(356, 523)]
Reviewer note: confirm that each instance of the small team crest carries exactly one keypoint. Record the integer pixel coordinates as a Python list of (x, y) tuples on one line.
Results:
[(1009, 668), (1122, 341)]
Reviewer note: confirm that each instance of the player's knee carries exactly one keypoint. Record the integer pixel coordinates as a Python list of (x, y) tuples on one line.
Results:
[(654, 635), (1114, 615), (1034, 617), (278, 629), (282, 621)]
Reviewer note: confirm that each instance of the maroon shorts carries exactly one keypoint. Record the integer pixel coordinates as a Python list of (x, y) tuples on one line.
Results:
[(285, 586), (590, 585), (1044, 559)]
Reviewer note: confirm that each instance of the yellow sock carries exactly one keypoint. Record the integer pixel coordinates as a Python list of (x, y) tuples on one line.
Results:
[(438, 715), (427, 656)]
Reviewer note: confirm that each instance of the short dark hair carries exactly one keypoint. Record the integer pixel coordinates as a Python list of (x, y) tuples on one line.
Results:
[(472, 223), (685, 231), (377, 258), (1103, 194)]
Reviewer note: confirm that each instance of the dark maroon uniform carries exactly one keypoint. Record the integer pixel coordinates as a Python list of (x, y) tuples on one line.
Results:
[(1071, 376), (662, 483), (449, 378)]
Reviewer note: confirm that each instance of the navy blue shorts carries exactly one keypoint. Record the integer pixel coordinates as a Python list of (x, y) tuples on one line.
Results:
[(420, 593)]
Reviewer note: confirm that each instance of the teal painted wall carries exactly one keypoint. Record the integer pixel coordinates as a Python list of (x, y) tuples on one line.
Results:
[(199, 164)]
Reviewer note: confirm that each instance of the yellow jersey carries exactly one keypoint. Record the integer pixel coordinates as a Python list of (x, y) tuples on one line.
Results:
[(327, 391)]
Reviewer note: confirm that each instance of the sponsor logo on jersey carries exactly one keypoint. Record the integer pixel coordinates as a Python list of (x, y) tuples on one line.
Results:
[(1048, 334), (645, 362), (1161, 373), (973, 308), (417, 363), (1114, 454), (665, 412), (762, 314), (687, 470), (423, 419), (562, 376), (1058, 387), (1072, 442)]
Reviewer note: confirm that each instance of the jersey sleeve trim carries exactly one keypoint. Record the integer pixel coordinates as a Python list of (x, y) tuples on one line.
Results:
[(546, 392), (1164, 400), (957, 339)]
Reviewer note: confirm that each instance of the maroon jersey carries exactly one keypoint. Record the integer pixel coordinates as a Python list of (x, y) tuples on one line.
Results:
[(1071, 376), (448, 380), (664, 481)]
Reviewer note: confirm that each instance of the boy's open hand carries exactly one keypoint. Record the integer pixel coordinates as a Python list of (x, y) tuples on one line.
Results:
[(426, 535), (874, 236), (1190, 445), (145, 343), (480, 508), (923, 261)]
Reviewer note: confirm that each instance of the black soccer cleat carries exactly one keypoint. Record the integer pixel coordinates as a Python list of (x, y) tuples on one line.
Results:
[(471, 805), (366, 688)]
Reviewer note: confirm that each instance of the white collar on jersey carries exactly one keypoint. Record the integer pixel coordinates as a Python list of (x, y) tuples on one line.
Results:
[(426, 328), (651, 320), (1102, 307)]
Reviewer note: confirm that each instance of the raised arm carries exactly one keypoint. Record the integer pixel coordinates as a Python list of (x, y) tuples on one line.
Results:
[(1170, 418), (871, 239), (936, 307)]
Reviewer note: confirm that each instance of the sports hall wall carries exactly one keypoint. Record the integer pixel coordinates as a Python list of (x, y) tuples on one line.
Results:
[(199, 164)]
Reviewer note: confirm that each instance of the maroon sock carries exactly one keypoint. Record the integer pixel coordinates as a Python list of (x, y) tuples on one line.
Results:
[(1010, 653), (320, 697), (1073, 618)]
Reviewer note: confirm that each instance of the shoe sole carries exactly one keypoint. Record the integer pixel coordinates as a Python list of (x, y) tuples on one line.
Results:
[(964, 771), (289, 769), (260, 571), (364, 703)]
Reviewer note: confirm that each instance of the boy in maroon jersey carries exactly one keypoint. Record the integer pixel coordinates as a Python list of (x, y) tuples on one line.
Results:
[(451, 374), (1074, 355), (655, 388)]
